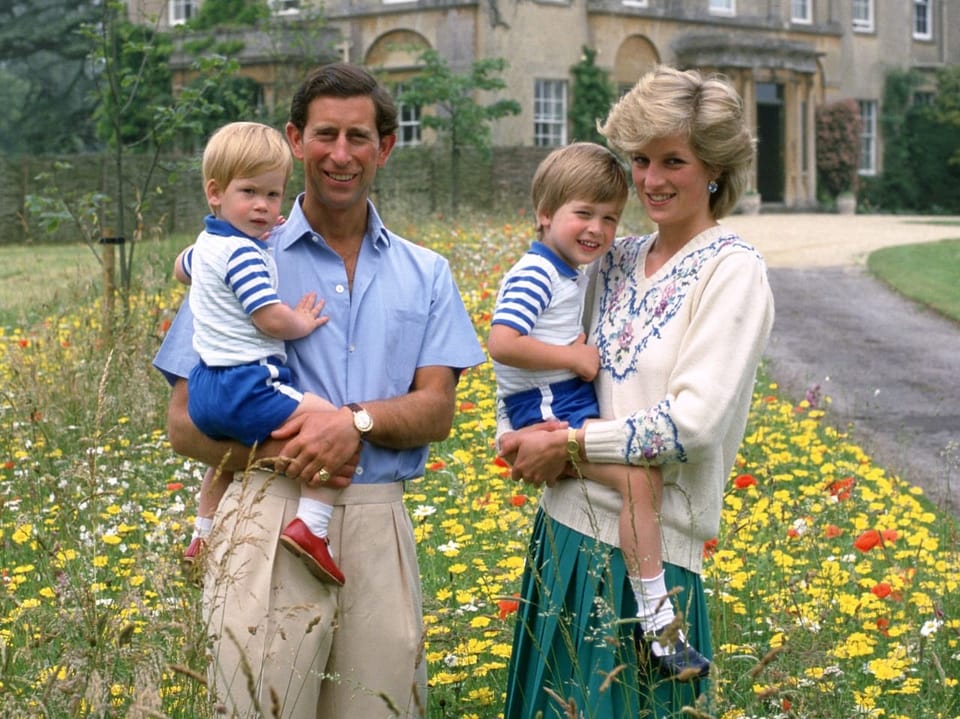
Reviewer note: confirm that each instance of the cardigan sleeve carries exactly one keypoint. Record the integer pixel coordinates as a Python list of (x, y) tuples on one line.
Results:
[(729, 322)]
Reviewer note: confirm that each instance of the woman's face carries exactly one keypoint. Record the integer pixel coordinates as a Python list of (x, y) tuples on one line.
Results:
[(671, 183)]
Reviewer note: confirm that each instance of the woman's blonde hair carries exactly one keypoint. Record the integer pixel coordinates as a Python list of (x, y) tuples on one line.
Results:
[(707, 111), (582, 171), (245, 149)]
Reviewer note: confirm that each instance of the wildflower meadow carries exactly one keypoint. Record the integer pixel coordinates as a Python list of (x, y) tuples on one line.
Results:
[(833, 585)]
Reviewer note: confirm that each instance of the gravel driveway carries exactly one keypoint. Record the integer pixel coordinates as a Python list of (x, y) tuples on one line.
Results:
[(890, 366)]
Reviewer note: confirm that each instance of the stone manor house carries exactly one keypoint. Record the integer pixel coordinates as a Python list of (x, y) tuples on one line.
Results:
[(786, 57)]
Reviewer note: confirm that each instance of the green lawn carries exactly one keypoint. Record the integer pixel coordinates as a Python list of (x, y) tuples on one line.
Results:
[(928, 273)]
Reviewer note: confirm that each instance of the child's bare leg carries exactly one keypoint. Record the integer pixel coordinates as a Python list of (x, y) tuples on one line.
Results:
[(306, 535), (212, 489), (639, 533), (316, 503)]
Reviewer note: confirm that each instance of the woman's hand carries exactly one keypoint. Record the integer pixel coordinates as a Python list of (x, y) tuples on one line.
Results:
[(537, 454)]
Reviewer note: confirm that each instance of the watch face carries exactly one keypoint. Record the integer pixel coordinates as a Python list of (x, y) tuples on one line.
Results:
[(362, 420)]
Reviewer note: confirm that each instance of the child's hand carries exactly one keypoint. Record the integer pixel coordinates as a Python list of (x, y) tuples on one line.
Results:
[(586, 358), (308, 310), (266, 235)]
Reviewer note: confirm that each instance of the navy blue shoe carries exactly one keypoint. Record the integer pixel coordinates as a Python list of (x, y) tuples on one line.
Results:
[(684, 664)]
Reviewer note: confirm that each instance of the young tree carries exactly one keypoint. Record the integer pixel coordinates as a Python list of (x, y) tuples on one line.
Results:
[(593, 94), (458, 118)]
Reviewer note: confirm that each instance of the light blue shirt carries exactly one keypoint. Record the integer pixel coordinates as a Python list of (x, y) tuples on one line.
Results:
[(405, 312)]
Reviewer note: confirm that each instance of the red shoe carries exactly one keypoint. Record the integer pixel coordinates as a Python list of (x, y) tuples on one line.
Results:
[(192, 553), (313, 550)]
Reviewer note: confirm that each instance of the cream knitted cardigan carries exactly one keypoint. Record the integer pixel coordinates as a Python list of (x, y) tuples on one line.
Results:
[(678, 352)]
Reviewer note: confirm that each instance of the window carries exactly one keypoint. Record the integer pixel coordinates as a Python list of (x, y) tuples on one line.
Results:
[(182, 10), (801, 11), (723, 7), (550, 113), (285, 7), (923, 98), (408, 121), (922, 19), (868, 137), (862, 15), (635, 3)]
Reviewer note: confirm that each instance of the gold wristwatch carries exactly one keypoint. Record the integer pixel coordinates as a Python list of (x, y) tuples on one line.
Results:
[(361, 419), (573, 446)]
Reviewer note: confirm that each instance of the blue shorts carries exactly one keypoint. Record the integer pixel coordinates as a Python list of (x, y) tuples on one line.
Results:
[(572, 401), (244, 402)]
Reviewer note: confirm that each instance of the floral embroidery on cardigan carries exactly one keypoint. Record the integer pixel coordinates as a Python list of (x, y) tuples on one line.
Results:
[(629, 321), (652, 437)]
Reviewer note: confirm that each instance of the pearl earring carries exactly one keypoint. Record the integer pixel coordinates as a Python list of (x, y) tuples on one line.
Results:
[(712, 187)]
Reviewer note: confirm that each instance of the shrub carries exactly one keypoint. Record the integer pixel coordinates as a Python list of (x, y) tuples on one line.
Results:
[(838, 146)]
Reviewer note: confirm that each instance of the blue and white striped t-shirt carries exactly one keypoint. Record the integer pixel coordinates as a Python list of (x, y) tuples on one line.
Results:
[(540, 296), (232, 276)]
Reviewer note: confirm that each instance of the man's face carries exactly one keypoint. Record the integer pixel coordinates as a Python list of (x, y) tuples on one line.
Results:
[(340, 149)]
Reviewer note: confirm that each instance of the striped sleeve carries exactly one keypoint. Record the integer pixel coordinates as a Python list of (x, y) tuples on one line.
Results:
[(186, 262), (524, 297), (248, 277)]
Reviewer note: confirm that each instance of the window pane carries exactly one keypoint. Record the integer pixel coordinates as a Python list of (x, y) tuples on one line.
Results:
[(862, 11), (868, 137), (549, 113), (921, 19), (800, 10), (408, 120)]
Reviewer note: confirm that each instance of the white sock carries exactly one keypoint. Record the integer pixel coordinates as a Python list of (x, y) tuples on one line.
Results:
[(202, 526), (315, 514), (654, 609)]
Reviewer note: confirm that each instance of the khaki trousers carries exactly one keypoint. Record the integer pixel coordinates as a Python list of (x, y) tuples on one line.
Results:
[(284, 644)]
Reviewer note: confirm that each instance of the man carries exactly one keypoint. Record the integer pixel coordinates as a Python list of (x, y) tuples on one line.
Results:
[(283, 643)]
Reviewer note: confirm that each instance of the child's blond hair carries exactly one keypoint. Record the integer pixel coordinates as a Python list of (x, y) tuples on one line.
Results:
[(245, 149), (582, 171)]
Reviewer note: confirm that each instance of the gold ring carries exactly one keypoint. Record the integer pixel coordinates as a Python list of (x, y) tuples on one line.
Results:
[(323, 475)]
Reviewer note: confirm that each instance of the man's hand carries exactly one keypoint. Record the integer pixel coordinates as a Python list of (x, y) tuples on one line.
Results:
[(317, 441)]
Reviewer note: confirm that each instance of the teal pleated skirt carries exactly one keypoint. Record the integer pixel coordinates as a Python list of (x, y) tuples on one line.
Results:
[(571, 643)]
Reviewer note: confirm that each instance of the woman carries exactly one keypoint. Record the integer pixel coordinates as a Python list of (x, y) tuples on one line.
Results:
[(680, 318)]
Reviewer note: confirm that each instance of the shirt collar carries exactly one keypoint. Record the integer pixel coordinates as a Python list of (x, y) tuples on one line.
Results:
[(565, 270), (221, 228), (296, 228)]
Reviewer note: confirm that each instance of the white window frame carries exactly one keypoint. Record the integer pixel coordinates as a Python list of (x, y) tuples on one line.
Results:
[(549, 112), (801, 12), (861, 12), (285, 7), (181, 11), (636, 3), (868, 137), (723, 7), (922, 19), (409, 128)]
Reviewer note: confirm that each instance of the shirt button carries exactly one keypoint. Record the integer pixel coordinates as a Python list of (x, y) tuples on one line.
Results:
[(351, 348), (340, 289), (359, 471)]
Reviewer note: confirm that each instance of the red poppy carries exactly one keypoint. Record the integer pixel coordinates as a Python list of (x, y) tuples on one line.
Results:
[(518, 500), (883, 626), (9, 464), (868, 540), (709, 547), (466, 406), (841, 488), (436, 466), (24, 343), (174, 486), (832, 531), (745, 480), (501, 462), (882, 590), (873, 537), (508, 606), (165, 325)]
